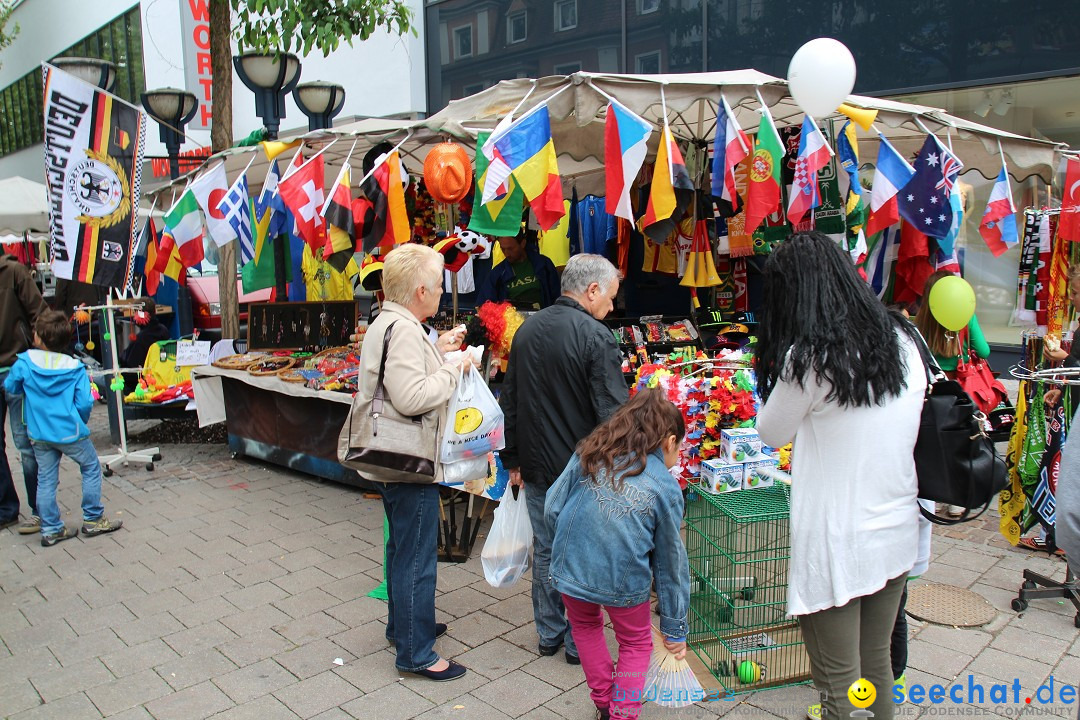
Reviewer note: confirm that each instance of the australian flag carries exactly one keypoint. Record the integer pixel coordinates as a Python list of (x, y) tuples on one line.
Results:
[(924, 201)]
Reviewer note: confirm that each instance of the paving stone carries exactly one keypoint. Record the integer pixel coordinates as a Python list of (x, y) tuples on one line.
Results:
[(255, 595), (194, 668), (203, 612), (301, 580), (266, 707), (201, 701), (256, 551), (312, 658), (254, 681), (317, 694), (463, 601), (451, 576), (554, 670), (467, 707), (394, 702), (949, 575), (516, 610), (516, 693), (131, 660), (59, 607), (66, 708), (541, 713), (127, 692), (309, 628), (348, 565), (358, 611), (199, 638), (55, 632), (18, 694), (148, 627), (969, 641), (156, 602), (477, 628), (95, 619), (59, 682), (308, 557), (307, 602), (573, 705), (257, 618), (495, 658), (1006, 667), (255, 646), (370, 672), (256, 571), (1036, 647), (209, 587), (165, 577), (935, 659), (443, 693)]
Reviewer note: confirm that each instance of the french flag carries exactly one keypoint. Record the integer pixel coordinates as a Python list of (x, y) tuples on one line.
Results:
[(998, 226), (891, 174), (625, 145), (730, 147), (814, 154)]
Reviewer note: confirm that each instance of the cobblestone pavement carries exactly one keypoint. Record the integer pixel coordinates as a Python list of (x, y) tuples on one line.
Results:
[(234, 587)]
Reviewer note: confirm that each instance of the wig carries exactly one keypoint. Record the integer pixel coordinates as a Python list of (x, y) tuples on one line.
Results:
[(821, 319)]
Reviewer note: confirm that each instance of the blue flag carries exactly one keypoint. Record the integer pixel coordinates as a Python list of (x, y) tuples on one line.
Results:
[(925, 201)]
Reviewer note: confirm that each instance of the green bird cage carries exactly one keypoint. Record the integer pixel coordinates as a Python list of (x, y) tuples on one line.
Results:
[(739, 544)]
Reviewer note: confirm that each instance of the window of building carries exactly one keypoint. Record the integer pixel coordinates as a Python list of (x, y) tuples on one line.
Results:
[(647, 63), (517, 27), (566, 68), (119, 42), (463, 41), (565, 15), (644, 7), (471, 89)]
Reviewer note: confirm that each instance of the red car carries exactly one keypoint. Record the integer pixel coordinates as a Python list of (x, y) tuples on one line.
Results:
[(206, 304)]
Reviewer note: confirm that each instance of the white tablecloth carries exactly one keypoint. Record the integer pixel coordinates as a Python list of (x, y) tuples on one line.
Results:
[(210, 398)]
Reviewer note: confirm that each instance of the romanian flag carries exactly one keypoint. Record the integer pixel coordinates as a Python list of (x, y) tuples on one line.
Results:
[(670, 193), (526, 149), (385, 188), (339, 223)]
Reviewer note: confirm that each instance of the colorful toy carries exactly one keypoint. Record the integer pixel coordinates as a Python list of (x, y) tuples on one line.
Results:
[(751, 672)]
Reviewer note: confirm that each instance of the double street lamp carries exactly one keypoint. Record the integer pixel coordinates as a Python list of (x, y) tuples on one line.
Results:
[(320, 101), (172, 109), (270, 77), (99, 73)]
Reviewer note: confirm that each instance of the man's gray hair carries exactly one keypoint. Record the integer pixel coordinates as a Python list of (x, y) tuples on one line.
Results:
[(583, 270)]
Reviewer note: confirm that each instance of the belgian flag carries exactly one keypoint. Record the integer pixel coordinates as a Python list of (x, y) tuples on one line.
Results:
[(340, 242)]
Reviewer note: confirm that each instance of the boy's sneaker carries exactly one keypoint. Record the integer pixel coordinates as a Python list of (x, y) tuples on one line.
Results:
[(64, 534), (814, 712), (31, 526), (101, 526)]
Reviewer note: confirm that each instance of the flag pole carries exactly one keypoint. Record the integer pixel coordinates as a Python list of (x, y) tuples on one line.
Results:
[(665, 133), (727, 111), (392, 150), (772, 122), (321, 151), (341, 173)]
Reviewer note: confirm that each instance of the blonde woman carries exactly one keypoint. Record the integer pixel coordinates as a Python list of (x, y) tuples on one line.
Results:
[(416, 381)]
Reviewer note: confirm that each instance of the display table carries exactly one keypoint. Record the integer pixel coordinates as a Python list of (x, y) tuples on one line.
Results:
[(283, 423)]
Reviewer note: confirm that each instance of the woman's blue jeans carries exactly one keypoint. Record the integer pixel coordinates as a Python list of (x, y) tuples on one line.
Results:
[(411, 567)]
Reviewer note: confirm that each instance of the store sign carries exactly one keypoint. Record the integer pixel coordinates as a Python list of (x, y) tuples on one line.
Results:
[(195, 27)]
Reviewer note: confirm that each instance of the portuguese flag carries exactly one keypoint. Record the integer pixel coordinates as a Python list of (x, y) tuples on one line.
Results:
[(763, 191)]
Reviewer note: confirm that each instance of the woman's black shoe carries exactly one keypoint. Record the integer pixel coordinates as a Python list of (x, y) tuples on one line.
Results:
[(440, 629), (451, 673)]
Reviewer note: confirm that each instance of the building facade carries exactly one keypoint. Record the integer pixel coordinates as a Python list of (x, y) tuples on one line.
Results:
[(1010, 64), (145, 39)]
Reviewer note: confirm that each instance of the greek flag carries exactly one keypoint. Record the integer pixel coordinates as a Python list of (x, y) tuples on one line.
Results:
[(239, 212)]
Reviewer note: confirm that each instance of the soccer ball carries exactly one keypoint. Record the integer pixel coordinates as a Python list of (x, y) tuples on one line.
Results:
[(472, 242)]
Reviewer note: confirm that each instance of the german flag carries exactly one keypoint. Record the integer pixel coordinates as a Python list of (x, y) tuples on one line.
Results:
[(670, 193), (340, 243), (386, 191)]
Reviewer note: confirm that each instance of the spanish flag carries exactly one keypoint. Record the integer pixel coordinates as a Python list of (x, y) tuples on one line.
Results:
[(670, 193), (340, 244), (526, 149), (386, 191)]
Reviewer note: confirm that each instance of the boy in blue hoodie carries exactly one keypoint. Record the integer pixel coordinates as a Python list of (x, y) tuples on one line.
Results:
[(56, 407)]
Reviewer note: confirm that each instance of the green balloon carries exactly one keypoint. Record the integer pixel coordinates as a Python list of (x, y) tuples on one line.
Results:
[(952, 302)]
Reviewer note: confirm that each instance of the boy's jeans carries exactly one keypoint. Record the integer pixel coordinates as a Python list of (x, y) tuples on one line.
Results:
[(48, 459)]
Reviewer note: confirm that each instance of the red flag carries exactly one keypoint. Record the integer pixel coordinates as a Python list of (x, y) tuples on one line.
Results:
[(303, 194), (913, 264), (1069, 224)]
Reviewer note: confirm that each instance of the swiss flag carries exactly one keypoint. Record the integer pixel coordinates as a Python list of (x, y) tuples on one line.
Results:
[(303, 193)]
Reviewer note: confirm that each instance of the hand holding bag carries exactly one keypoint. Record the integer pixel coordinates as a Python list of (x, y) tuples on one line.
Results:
[(474, 421), (378, 441), (955, 461), (505, 556), (977, 379)]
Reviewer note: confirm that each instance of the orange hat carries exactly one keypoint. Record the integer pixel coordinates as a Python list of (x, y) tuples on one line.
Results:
[(448, 173), (371, 273), (453, 257)]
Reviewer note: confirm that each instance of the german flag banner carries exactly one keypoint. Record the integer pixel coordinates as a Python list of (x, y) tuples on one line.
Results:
[(93, 164)]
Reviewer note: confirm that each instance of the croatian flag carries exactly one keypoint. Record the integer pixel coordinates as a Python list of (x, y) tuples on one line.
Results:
[(625, 145), (998, 226), (891, 174), (730, 147), (814, 154)]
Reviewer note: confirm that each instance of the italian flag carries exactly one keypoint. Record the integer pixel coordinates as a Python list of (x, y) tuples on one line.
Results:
[(763, 187), (183, 228)]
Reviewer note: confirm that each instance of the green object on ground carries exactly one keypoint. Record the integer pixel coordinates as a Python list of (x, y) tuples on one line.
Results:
[(379, 593)]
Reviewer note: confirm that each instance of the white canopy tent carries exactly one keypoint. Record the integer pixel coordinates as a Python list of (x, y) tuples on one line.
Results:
[(24, 207)]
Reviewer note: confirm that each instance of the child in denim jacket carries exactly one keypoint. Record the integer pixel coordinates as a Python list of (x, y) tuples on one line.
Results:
[(616, 510)]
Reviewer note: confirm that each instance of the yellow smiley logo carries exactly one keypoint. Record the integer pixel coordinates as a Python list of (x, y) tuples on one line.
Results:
[(862, 693)]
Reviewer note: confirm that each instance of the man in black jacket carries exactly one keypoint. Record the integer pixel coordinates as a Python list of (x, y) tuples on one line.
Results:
[(563, 379), (20, 305)]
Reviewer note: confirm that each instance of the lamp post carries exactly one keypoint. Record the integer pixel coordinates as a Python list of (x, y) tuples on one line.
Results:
[(269, 77), (320, 101), (172, 109), (100, 73)]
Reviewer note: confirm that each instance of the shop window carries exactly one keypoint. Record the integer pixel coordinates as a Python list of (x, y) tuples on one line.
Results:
[(565, 15), (644, 7), (463, 42), (567, 68), (471, 89), (517, 27), (647, 63)]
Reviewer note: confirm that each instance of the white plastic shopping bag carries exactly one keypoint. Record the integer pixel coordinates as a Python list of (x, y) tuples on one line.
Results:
[(474, 421), (463, 471), (506, 551)]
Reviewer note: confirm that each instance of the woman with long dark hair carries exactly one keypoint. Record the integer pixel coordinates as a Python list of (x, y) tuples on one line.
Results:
[(842, 376), (616, 511)]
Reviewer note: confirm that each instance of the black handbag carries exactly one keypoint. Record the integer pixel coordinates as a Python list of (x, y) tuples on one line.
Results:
[(955, 460)]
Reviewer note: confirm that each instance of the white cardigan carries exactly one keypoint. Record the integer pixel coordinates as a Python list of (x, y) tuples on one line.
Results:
[(854, 517)]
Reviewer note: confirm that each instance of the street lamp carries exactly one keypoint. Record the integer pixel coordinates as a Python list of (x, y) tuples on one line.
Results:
[(269, 77), (320, 101), (172, 109), (100, 73)]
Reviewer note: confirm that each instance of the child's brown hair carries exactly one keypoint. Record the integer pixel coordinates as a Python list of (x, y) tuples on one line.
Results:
[(54, 329)]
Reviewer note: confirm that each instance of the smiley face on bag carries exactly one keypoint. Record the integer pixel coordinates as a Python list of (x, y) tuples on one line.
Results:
[(467, 419)]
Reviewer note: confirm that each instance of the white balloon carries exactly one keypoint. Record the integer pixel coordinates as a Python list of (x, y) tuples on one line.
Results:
[(821, 75)]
